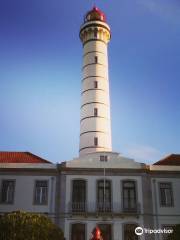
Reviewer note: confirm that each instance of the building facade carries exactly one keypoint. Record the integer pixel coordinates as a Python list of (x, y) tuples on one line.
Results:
[(119, 195), (27, 183), (104, 189), (100, 187)]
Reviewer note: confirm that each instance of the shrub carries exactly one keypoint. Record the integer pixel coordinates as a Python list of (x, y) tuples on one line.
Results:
[(22, 225)]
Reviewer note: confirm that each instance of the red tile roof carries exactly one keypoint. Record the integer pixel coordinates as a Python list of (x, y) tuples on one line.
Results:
[(171, 160), (20, 157)]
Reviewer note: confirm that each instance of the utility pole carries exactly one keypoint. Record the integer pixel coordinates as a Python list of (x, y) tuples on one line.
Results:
[(104, 159)]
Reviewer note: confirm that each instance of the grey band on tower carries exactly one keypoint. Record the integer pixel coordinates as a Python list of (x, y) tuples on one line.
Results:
[(95, 124)]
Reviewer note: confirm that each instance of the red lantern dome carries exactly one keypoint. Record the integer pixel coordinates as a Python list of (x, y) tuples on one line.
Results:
[(95, 15)]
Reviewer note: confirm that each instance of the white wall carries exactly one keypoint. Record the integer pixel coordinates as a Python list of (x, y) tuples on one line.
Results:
[(24, 193), (167, 215)]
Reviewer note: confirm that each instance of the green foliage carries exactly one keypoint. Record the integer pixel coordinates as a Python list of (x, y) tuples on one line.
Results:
[(22, 225), (176, 233)]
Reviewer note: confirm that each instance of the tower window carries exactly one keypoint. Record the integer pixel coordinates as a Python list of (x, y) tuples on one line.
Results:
[(95, 33), (95, 112), (95, 84), (96, 59), (95, 141)]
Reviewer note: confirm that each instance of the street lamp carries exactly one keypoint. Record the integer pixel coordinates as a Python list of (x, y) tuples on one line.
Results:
[(104, 159)]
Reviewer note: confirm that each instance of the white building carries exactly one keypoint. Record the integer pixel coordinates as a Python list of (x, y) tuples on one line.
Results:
[(135, 195), (27, 183), (72, 193), (100, 187)]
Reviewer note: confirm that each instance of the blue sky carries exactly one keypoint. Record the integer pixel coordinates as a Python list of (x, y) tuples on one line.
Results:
[(40, 76)]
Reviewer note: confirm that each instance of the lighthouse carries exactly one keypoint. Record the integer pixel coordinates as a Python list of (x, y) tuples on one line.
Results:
[(95, 122)]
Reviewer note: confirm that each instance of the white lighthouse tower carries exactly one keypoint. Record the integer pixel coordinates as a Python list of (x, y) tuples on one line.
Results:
[(95, 123)]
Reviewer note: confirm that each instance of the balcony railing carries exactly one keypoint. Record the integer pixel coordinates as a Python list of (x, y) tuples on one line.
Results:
[(103, 207), (135, 209), (78, 207), (107, 207)]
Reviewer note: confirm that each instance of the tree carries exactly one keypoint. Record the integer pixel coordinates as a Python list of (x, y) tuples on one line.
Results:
[(22, 225), (176, 233)]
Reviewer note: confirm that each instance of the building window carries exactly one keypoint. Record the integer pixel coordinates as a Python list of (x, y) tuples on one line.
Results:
[(95, 141), (166, 194), (95, 112), (104, 196), (78, 195), (129, 232), (129, 196), (8, 188), (103, 158), (95, 84), (78, 231), (106, 231), (96, 59), (41, 192)]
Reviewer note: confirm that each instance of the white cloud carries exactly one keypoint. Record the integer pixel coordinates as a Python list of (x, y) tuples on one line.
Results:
[(167, 10), (146, 154)]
